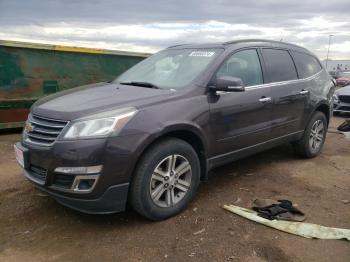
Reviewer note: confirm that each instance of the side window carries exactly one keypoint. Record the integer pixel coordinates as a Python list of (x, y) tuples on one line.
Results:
[(279, 65), (307, 65), (245, 65)]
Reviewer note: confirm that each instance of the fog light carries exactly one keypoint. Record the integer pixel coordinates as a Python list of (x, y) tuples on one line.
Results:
[(79, 170), (85, 183)]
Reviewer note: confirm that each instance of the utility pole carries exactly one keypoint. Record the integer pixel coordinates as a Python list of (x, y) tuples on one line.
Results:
[(329, 44)]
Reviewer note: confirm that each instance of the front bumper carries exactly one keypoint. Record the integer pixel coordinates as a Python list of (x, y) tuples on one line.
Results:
[(112, 200), (117, 155)]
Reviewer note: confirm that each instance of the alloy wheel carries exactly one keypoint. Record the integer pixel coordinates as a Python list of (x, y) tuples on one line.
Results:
[(170, 181), (316, 135)]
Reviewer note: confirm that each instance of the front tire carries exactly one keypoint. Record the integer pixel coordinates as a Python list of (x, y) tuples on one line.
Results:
[(166, 179), (314, 136)]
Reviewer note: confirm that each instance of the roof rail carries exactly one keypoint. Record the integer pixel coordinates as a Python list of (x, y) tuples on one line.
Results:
[(260, 40)]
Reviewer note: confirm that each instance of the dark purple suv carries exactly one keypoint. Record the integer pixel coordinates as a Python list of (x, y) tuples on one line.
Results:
[(149, 137)]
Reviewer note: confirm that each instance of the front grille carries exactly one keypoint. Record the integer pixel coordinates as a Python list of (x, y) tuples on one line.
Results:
[(38, 173), (64, 181), (344, 99), (344, 108), (44, 131)]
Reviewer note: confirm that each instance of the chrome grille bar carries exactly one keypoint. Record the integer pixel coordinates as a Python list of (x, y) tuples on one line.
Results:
[(42, 130)]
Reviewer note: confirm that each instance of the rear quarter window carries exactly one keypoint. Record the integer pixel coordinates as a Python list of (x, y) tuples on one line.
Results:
[(279, 65), (307, 65)]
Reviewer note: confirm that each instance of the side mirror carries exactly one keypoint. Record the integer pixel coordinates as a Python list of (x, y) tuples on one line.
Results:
[(228, 84)]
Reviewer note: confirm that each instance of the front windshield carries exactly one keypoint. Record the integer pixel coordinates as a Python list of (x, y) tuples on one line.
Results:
[(171, 68)]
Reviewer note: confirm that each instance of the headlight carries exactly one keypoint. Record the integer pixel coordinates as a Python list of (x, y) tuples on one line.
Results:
[(98, 126), (335, 98)]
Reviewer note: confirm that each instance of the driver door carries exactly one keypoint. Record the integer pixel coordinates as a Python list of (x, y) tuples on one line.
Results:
[(239, 120)]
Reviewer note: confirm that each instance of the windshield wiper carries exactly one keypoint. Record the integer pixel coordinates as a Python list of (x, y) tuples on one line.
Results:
[(143, 84)]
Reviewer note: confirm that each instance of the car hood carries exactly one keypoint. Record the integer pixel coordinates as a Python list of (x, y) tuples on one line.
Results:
[(343, 91), (89, 99)]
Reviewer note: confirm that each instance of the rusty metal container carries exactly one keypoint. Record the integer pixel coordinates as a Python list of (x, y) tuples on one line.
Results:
[(30, 71)]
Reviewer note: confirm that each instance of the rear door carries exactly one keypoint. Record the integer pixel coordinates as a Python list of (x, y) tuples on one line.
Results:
[(241, 119), (288, 93)]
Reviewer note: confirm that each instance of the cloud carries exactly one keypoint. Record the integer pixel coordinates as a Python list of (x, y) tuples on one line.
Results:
[(149, 26)]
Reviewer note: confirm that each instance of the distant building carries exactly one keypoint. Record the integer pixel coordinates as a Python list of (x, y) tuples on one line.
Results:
[(337, 65)]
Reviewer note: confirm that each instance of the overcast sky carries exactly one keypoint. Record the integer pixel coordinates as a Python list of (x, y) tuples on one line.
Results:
[(149, 26)]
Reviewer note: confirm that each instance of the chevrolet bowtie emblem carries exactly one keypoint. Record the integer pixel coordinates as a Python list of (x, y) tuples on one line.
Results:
[(28, 127)]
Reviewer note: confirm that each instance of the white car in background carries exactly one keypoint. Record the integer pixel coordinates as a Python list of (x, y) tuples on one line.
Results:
[(342, 100)]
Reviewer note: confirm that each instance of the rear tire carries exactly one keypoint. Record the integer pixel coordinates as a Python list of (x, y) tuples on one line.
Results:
[(310, 145), (166, 179)]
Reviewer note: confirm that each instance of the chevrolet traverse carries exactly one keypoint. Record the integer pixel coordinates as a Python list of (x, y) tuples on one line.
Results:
[(150, 136)]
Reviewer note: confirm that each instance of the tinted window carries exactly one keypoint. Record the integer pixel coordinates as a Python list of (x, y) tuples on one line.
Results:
[(307, 65), (245, 65), (280, 66)]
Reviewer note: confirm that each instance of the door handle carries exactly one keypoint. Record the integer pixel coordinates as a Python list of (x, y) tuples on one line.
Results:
[(265, 99), (303, 92)]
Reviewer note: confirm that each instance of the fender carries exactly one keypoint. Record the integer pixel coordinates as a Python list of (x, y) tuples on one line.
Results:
[(167, 129)]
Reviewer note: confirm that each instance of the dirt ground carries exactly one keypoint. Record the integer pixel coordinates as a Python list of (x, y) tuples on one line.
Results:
[(33, 227)]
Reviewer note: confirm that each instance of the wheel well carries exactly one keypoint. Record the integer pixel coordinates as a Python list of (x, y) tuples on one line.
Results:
[(196, 143), (324, 109)]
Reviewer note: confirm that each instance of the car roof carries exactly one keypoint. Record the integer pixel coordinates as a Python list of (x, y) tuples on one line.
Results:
[(245, 43)]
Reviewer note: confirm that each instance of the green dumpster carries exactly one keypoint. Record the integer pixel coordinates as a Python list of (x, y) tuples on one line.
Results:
[(29, 71)]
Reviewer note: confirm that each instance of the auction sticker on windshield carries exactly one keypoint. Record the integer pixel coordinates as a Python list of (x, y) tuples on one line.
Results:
[(202, 53)]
